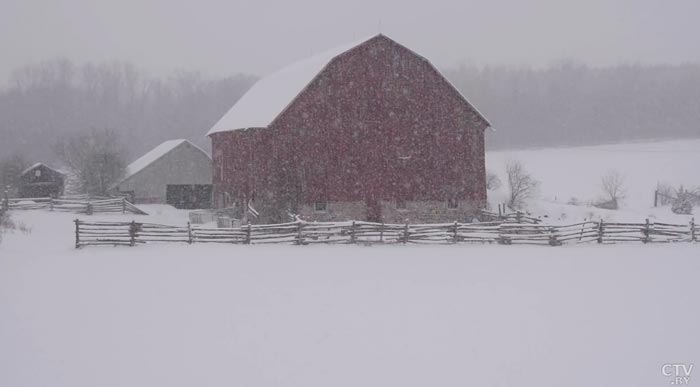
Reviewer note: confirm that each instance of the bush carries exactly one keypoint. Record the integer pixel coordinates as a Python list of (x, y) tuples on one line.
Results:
[(492, 181), (683, 202)]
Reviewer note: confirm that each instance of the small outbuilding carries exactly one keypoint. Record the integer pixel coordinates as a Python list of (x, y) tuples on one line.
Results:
[(41, 181), (176, 172)]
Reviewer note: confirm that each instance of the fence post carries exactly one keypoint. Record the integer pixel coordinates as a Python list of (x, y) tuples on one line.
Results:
[(454, 232), (123, 205), (553, 239), (88, 210), (600, 231), (405, 233), (247, 234), (352, 233), (518, 217), (381, 233), (6, 202), (189, 233), (132, 234), (656, 198), (645, 231), (502, 239), (693, 237), (77, 233), (299, 233)]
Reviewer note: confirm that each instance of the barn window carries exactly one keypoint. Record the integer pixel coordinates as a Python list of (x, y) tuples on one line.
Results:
[(321, 206), (452, 203), (400, 204), (37, 173)]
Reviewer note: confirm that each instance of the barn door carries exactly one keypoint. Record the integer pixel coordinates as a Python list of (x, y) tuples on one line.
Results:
[(374, 210), (188, 196)]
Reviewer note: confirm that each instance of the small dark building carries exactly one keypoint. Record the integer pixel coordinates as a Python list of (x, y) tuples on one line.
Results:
[(40, 181)]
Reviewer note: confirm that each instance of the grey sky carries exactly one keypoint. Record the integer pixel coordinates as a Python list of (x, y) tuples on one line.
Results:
[(224, 37)]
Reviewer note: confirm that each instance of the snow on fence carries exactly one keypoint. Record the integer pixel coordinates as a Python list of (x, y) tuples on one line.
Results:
[(517, 217), (79, 204), (306, 233)]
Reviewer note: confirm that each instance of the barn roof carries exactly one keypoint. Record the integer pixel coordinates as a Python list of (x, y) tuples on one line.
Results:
[(153, 155), (271, 95)]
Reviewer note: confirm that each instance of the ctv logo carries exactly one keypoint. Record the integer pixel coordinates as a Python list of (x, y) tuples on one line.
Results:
[(679, 373)]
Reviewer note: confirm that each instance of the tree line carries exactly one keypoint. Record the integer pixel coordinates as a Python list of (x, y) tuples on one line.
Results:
[(49, 101), (573, 104), (50, 109)]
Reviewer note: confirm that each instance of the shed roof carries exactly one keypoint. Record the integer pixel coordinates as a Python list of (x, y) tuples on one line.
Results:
[(153, 155)]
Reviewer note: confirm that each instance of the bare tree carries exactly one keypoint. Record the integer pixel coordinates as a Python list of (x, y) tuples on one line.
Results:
[(613, 185), (520, 183), (10, 170), (95, 157)]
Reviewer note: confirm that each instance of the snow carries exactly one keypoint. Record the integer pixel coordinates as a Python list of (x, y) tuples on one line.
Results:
[(270, 95), (576, 172), (151, 156), (223, 315)]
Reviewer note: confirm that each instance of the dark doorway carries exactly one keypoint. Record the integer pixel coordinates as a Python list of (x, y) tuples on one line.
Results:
[(374, 210), (189, 196)]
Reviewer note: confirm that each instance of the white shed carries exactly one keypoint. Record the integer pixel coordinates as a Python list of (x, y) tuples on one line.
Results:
[(175, 172)]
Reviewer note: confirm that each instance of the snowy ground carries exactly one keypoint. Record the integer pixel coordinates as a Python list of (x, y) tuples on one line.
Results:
[(172, 315), (466, 315), (565, 173)]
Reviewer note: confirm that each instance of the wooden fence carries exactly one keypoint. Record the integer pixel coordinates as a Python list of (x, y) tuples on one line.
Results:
[(81, 204), (305, 233)]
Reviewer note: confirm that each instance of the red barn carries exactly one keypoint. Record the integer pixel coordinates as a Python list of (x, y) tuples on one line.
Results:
[(371, 131)]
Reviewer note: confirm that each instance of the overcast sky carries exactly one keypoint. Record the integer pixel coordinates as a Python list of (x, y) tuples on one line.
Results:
[(225, 37)]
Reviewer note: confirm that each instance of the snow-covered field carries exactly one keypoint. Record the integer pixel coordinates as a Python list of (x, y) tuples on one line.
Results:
[(465, 315), (565, 173)]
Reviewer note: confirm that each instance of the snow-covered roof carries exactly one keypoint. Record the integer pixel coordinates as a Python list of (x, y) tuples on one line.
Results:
[(153, 155), (36, 165), (32, 167), (270, 95)]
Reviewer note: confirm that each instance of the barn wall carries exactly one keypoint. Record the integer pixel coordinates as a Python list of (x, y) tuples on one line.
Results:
[(183, 165), (378, 124)]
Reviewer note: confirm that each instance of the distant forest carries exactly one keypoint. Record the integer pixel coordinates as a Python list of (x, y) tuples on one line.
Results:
[(567, 104)]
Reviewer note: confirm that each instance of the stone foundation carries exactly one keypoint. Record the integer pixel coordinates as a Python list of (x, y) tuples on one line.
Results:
[(335, 211), (415, 212), (429, 212)]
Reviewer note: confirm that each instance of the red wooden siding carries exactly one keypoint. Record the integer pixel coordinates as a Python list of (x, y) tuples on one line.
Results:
[(378, 123)]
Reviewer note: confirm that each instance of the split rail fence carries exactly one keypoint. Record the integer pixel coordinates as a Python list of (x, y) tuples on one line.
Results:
[(78, 204), (306, 233)]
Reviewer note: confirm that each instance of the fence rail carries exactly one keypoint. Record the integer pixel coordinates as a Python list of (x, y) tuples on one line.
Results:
[(355, 232), (78, 204)]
